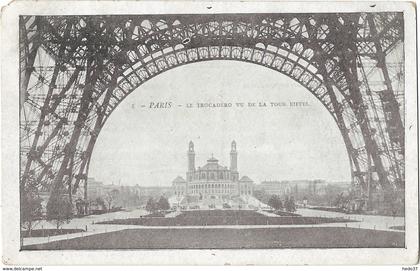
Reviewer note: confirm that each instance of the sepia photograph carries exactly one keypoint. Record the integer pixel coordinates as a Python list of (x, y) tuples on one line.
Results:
[(214, 130)]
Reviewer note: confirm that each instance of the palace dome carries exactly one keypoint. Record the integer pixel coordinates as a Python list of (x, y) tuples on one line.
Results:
[(212, 164)]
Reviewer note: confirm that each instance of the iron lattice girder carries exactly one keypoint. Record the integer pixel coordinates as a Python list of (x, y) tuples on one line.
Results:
[(127, 30), (121, 42), (148, 35)]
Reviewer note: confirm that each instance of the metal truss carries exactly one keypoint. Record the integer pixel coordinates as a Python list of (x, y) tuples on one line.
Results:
[(75, 70)]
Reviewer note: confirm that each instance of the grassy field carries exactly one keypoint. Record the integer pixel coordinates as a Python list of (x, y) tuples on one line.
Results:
[(225, 217), (322, 237), (49, 232), (400, 228)]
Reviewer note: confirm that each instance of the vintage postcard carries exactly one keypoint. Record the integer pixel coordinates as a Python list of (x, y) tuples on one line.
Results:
[(209, 133)]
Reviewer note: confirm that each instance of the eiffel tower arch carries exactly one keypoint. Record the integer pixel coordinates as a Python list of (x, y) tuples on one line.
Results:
[(75, 70)]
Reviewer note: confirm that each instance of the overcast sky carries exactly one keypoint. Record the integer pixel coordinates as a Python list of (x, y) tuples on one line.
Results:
[(144, 146)]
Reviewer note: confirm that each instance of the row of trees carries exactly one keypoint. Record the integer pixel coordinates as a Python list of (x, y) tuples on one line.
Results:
[(59, 211), (155, 206), (324, 197), (123, 197), (115, 199), (277, 204)]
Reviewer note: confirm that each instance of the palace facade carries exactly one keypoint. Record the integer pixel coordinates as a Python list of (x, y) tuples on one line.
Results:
[(213, 181)]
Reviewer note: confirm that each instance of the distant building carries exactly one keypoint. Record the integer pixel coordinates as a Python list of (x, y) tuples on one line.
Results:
[(308, 187), (296, 188), (318, 187), (212, 181), (95, 189), (274, 187), (155, 191)]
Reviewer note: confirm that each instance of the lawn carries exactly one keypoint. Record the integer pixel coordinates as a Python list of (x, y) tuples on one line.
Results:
[(400, 228), (49, 232), (308, 237), (224, 217)]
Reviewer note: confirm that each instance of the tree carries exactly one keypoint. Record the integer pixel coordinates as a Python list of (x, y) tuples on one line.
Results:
[(341, 201), (30, 204), (110, 197), (151, 205), (290, 204), (100, 202), (275, 202), (30, 212), (59, 210), (163, 204), (80, 206), (338, 201)]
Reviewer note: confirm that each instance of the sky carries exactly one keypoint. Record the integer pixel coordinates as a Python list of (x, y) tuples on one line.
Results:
[(148, 146)]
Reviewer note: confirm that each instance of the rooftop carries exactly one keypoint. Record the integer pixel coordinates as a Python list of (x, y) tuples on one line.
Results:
[(178, 179), (246, 179)]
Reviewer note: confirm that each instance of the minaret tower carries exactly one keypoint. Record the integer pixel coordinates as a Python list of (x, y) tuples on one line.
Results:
[(234, 162), (191, 161)]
